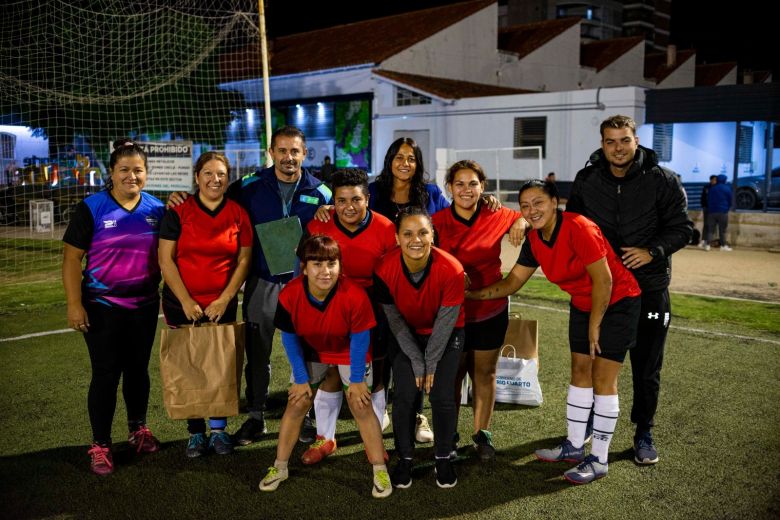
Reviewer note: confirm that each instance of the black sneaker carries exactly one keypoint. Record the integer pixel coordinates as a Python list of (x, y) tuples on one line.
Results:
[(308, 430), (219, 443), (251, 431), (445, 473), (483, 443), (197, 445), (402, 474)]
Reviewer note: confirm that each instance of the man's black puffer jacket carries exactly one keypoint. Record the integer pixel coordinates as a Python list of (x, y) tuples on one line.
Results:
[(646, 208)]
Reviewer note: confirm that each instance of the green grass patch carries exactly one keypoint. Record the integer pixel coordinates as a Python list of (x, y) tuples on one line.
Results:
[(24, 259)]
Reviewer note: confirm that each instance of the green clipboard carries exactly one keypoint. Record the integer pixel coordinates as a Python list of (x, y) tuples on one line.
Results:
[(279, 239)]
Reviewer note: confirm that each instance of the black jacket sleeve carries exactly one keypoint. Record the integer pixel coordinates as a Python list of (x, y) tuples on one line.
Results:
[(676, 229)]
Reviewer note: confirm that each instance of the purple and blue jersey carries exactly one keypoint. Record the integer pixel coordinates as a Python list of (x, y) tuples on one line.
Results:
[(122, 268)]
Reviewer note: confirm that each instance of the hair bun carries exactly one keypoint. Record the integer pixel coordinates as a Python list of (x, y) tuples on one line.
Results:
[(124, 142)]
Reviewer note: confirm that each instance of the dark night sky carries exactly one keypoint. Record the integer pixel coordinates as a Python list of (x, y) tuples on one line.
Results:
[(717, 33)]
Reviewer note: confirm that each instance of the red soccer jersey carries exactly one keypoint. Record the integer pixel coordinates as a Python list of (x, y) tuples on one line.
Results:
[(361, 250), (419, 302), (325, 328), (207, 246), (576, 243), (476, 243)]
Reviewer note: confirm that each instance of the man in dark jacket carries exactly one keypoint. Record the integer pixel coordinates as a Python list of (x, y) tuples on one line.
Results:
[(718, 205), (640, 208), (704, 192)]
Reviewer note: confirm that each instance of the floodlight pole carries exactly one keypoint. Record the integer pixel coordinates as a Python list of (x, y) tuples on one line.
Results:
[(266, 86)]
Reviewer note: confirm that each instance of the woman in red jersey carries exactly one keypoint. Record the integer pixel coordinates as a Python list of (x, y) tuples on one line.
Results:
[(205, 251), (420, 288), (326, 320), (472, 234), (604, 314)]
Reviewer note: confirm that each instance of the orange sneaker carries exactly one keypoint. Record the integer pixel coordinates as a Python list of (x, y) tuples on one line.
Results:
[(320, 449)]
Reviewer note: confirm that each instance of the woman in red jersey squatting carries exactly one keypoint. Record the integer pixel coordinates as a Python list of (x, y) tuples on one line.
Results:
[(364, 236), (326, 320), (205, 252), (472, 234), (603, 319), (420, 288)]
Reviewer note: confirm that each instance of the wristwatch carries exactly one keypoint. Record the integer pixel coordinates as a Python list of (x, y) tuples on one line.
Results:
[(655, 252)]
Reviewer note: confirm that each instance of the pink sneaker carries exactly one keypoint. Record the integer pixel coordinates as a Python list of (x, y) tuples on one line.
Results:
[(143, 441), (102, 463)]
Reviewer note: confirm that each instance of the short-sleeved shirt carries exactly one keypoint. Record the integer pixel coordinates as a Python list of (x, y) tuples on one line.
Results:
[(441, 285), (476, 243), (324, 328), (361, 249), (576, 242), (121, 249), (207, 244)]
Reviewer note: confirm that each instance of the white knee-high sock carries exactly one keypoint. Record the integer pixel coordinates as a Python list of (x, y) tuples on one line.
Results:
[(578, 405), (379, 402), (327, 406), (606, 409)]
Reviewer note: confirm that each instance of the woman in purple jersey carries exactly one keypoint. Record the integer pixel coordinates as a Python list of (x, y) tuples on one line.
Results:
[(115, 302)]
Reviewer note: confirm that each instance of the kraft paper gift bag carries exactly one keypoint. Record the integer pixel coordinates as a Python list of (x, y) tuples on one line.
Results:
[(200, 368), (517, 373)]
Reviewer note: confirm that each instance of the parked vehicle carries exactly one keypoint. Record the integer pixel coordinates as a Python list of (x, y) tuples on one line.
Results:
[(750, 191)]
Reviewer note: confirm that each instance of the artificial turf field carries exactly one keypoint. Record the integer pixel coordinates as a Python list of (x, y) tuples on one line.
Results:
[(718, 423)]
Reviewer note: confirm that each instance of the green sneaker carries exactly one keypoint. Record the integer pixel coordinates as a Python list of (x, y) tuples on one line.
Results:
[(382, 486), (273, 478)]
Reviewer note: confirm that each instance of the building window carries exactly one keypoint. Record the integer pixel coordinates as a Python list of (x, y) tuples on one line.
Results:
[(405, 98), (530, 131), (662, 141)]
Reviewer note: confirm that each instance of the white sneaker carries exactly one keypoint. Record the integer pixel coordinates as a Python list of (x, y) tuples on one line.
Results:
[(385, 421), (706, 247), (422, 431), (702, 244), (382, 486), (725, 248), (273, 478)]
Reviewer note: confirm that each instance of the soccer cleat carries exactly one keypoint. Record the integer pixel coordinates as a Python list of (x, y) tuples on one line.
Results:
[(587, 471), (402, 474), (645, 452), (219, 443), (445, 473), (273, 478), (101, 463), (564, 452), (725, 248), (143, 441), (382, 486), (385, 421), (422, 431), (320, 449), (308, 430), (483, 443), (197, 445), (251, 431)]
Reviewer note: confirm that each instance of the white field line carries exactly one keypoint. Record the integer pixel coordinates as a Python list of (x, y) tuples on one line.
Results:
[(540, 307), (675, 327)]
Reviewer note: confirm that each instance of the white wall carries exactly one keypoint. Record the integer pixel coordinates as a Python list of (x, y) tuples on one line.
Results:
[(683, 76), (465, 50), (553, 66), (628, 69), (573, 120)]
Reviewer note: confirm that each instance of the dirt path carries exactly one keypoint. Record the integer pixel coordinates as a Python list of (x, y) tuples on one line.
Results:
[(741, 273)]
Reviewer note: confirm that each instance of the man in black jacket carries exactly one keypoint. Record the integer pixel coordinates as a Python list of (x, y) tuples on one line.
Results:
[(640, 208)]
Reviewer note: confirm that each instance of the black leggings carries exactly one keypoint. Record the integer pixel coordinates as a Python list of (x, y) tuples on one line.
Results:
[(120, 342), (442, 397)]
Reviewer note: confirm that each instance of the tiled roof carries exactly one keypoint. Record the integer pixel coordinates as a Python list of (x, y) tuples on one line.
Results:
[(599, 54), (366, 42), (709, 75), (655, 64), (526, 38), (447, 88)]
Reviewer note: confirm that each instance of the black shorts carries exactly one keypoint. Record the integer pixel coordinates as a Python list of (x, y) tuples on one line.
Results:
[(487, 334), (618, 329)]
